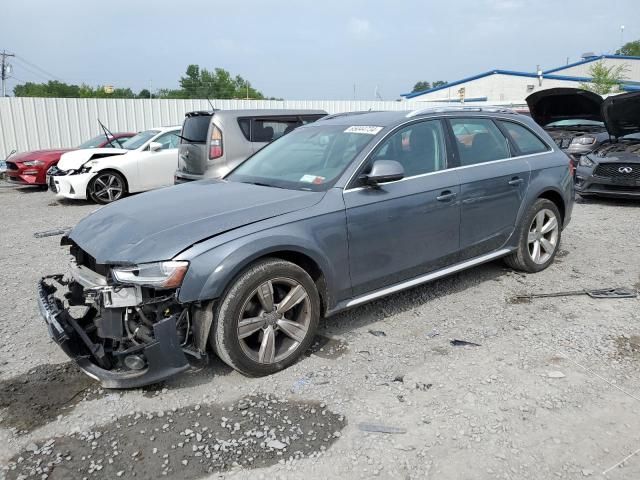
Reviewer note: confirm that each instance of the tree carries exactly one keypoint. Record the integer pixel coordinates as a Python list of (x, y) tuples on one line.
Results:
[(421, 86), (438, 83), (144, 93), (202, 83), (630, 48), (605, 79), (53, 88)]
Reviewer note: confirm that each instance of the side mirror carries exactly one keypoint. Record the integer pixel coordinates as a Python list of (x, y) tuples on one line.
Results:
[(155, 146), (384, 171)]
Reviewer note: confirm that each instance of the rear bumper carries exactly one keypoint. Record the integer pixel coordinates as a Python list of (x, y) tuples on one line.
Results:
[(164, 357), (183, 177)]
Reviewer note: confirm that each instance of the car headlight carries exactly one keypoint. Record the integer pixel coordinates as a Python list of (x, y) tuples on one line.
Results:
[(158, 275), (586, 161), (33, 163), (86, 168), (583, 141)]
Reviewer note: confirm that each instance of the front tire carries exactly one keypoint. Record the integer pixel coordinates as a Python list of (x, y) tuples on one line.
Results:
[(107, 187), (539, 238), (267, 318)]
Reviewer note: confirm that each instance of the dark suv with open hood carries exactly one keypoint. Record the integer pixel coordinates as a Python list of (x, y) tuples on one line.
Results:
[(571, 116), (612, 169)]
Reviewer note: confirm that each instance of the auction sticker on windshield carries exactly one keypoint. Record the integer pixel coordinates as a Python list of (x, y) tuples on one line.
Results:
[(368, 130), (312, 179)]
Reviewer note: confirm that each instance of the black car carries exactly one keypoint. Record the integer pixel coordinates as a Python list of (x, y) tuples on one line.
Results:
[(613, 168), (572, 117)]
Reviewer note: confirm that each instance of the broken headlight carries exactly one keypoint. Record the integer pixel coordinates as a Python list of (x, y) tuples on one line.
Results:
[(86, 168), (583, 141), (157, 275), (586, 162)]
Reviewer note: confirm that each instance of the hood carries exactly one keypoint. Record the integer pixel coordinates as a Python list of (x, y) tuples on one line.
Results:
[(555, 104), (38, 155), (75, 159), (158, 225), (622, 114)]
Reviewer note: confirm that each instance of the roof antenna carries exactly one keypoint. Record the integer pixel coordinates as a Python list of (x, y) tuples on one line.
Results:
[(210, 103)]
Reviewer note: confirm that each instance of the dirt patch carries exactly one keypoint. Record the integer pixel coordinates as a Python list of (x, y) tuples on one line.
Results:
[(562, 253), (187, 443), (35, 398), (326, 347), (628, 346)]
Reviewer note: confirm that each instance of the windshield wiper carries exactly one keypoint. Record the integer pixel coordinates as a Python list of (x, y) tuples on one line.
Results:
[(188, 139), (261, 184)]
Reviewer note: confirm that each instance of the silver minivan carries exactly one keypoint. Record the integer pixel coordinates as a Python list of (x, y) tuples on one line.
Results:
[(214, 142)]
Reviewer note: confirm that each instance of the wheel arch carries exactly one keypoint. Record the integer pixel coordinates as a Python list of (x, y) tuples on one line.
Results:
[(108, 169), (557, 199)]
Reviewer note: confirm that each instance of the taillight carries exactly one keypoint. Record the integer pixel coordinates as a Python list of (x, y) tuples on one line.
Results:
[(215, 145), (572, 165)]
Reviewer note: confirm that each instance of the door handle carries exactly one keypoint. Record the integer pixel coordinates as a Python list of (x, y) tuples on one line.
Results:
[(446, 196), (515, 181)]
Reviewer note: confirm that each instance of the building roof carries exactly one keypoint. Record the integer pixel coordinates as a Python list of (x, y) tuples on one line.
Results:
[(548, 74)]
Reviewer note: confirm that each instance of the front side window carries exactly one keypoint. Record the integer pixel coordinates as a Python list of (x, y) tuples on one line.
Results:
[(308, 158), (168, 140), (419, 148), (526, 141), (479, 140)]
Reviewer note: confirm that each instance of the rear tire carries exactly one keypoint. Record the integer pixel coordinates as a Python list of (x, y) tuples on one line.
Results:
[(539, 237), (266, 319)]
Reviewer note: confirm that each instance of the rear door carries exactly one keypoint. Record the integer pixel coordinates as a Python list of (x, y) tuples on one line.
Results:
[(193, 148), (493, 182), (400, 230), (156, 169)]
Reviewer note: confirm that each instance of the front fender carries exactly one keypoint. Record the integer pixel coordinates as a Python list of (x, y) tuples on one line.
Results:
[(322, 239)]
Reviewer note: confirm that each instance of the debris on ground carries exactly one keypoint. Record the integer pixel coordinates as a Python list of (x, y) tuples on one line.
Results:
[(556, 374), (377, 428), (463, 343), (598, 293), (377, 333), (52, 233)]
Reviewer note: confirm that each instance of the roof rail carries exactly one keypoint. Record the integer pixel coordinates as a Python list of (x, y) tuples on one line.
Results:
[(456, 108), (345, 114)]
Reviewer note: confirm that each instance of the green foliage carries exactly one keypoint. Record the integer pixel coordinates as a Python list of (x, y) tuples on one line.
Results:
[(197, 83), (605, 79), (423, 85), (630, 48)]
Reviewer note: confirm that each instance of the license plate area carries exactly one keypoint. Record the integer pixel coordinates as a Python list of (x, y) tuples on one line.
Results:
[(118, 297)]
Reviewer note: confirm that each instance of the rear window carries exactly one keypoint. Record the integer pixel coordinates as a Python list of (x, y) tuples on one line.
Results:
[(267, 129), (526, 141), (195, 128)]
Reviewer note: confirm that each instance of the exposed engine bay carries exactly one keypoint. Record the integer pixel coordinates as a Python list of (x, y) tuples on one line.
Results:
[(628, 146), (566, 136), (124, 336)]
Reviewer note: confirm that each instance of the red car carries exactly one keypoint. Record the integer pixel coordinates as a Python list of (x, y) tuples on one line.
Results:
[(30, 168)]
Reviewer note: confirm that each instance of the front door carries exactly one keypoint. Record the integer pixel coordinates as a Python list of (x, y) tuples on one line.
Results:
[(402, 229), (492, 185), (157, 169)]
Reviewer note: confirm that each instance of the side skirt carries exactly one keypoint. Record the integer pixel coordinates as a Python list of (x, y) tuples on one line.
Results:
[(367, 297)]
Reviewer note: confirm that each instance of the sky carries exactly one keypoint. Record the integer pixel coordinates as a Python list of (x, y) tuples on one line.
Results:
[(305, 49)]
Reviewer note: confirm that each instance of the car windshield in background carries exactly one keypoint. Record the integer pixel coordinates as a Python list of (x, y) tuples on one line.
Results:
[(575, 122), (194, 129), (309, 158), (95, 142), (139, 140)]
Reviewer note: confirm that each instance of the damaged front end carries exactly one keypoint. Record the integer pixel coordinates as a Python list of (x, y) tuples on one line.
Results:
[(121, 334)]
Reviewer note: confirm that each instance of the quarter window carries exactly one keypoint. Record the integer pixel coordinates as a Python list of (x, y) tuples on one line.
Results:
[(419, 148), (526, 141), (479, 140)]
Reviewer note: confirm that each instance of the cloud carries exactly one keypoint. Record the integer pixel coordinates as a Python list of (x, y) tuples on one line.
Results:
[(359, 27), (505, 5)]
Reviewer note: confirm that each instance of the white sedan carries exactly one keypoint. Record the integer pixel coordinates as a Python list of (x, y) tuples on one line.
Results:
[(146, 161)]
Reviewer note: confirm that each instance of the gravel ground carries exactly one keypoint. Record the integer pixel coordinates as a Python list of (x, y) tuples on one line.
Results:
[(551, 390)]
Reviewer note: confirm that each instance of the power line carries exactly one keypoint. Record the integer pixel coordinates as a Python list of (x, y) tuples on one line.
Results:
[(4, 69), (24, 60), (33, 72)]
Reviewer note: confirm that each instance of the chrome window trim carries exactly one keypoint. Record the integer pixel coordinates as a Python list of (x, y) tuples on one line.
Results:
[(552, 149)]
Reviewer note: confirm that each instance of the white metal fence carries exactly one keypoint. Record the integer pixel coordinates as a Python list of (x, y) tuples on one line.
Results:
[(36, 123)]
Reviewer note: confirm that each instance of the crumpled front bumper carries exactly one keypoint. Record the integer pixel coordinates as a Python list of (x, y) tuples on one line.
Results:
[(71, 186), (164, 356)]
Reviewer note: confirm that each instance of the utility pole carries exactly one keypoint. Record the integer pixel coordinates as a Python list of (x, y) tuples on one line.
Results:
[(4, 69)]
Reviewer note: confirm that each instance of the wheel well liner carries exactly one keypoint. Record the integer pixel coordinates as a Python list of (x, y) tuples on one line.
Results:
[(556, 198)]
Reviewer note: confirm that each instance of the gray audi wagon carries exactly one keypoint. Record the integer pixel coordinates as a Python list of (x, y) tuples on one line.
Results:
[(334, 214)]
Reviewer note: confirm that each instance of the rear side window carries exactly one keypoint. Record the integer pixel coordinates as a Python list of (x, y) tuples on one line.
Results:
[(526, 141), (479, 140), (267, 129), (195, 128)]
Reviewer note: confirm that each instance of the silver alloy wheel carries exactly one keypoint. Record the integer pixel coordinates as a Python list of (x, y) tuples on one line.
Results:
[(107, 187), (543, 235), (274, 320)]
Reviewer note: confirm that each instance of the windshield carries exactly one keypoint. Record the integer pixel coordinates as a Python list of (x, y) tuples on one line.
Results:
[(309, 158), (95, 142), (140, 139), (574, 122)]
